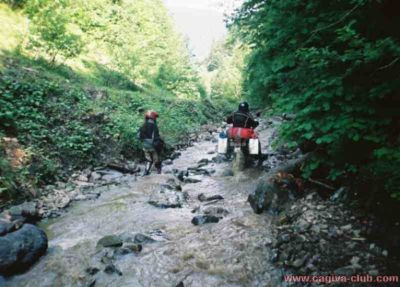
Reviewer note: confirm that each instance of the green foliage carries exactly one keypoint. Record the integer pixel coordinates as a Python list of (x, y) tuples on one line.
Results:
[(225, 69), (87, 109), (51, 29), (335, 66)]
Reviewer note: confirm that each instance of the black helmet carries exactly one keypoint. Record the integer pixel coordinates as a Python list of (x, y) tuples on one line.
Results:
[(243, 107)]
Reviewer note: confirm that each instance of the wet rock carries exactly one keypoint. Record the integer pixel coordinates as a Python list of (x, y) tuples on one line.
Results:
[(134, 247), (110, 241), (107, 257), (83, 178), (128, 249), (21, 248), (92, 270), (110, 175), (191, 180), (201, 171), (91, 283), (180, 284), (175, 155), (111, 269), (174, 184), (28, 210), (6, 227), (267, 197), (167, 199), (228, 172), (211, 152), (203, 197), (203, 161), (142, 239), (181, 174), (219, 159), (215, 210), (203, 219), (95, 176)]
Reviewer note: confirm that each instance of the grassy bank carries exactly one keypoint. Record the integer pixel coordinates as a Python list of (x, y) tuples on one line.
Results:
[(80, 112)]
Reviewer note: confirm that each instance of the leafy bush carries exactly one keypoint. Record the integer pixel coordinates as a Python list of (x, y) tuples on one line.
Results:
[(51, 29)]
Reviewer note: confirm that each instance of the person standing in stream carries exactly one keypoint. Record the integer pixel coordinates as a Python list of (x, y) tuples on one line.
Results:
[(152, 142)]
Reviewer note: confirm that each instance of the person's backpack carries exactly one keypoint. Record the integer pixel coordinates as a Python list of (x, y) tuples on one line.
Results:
[(149, 143)]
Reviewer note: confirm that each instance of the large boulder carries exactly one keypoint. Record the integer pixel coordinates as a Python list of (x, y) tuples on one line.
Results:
[(268, 197), (21, 248)]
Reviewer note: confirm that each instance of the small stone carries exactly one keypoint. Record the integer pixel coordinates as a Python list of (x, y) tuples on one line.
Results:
[(191, 180), (228, 172), (134, 247), (203, 219), (92, 270), (385, 253), (95, 176), (202, 197), (141, 238), (215, 210), (203, 161), (110, 241), (111, 269)]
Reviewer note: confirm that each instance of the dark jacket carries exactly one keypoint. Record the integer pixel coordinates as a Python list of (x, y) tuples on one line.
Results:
[(242, 120), (147, 130)]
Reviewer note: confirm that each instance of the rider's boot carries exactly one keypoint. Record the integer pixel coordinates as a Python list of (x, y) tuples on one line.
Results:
[(158, 167)]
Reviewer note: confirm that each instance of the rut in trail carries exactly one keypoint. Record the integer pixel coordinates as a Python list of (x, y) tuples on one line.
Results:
[(231, 252)]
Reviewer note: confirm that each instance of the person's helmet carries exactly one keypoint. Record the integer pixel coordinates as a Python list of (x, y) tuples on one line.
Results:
[(243, 107), (151, 115)]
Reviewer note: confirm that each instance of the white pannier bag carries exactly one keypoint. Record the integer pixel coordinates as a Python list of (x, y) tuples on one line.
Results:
[(254, 146), (222, 143)]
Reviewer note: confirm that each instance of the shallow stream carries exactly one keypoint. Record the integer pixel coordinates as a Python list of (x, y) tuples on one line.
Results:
[(232, 252)]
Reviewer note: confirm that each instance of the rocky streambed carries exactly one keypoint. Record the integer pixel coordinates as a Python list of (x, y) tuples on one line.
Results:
[(193, 226)]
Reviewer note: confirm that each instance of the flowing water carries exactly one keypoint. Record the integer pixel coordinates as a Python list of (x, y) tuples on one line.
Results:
[(232, 252)]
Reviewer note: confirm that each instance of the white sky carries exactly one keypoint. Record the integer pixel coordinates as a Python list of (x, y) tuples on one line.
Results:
[(200, 20)]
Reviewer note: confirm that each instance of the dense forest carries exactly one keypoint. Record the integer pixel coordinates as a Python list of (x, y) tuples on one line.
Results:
[(76, 77), (333, 68)]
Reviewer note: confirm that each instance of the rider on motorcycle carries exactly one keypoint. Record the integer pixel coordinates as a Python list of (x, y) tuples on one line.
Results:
[(242, 119), (242, 130)]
